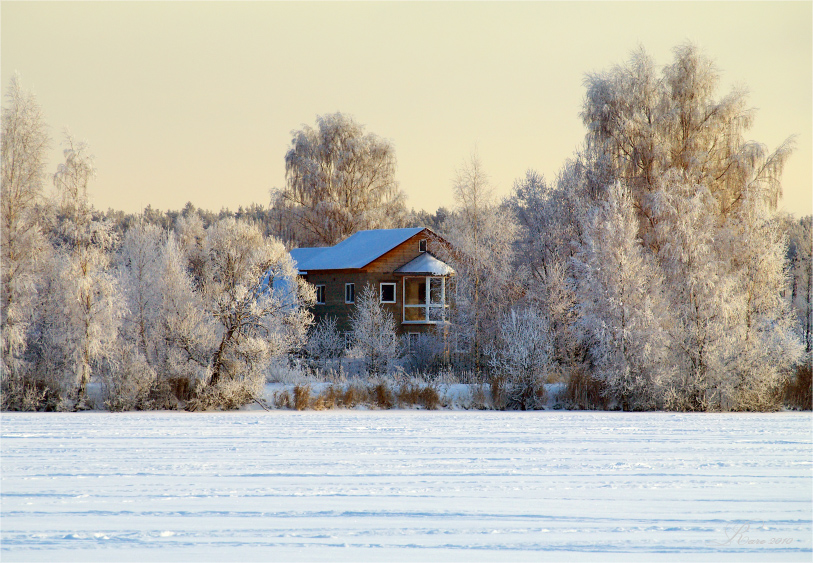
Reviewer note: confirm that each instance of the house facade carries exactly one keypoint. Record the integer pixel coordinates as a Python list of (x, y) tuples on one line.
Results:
[(411, 283)]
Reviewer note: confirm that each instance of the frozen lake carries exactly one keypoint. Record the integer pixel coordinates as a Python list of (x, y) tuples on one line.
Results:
[(406, 486)]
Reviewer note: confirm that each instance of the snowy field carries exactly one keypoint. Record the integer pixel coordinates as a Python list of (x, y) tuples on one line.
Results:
[(406, 486)]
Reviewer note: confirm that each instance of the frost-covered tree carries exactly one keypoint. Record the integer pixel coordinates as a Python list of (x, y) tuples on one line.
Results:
[(187, 334), (646, 122), (252, 291), (703, 196), (373, 333), (522, 357), (800, 262), (341, 180), (480, 235), (753, 242), (621, 311), (139, 276), (701, 296), (24, 144), (325, 343), (82, 329), (551, 221)]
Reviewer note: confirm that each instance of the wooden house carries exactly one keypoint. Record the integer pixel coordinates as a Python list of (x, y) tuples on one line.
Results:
[(410, 281)]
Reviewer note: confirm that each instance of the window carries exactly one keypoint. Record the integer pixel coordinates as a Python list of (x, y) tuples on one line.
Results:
[(349, 293), (388, 293), (422, 245), (320, 294), (425, 300)]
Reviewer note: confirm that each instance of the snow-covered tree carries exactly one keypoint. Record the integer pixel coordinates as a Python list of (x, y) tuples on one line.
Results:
[(83, 328), (24, 144), (252, 291), (704, 197), (139, 261), (522, 357), (187, 333), (701, 294), (373, 332), (325, 343), (800, 262), (620, 305), (480, 235), (753, 241), (646, 123), (341, 180)]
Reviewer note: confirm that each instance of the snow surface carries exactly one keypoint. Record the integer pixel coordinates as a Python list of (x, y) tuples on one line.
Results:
[(406, 486), (426, 264)]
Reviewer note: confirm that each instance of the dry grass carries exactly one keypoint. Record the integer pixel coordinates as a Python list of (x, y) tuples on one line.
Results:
[(302, 397), (584, 391), (382, 396), (413, 394), (498, 398), (479, 399)]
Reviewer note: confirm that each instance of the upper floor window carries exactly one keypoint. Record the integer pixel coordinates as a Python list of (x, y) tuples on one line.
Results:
[(320, 294), (349, 293), (422, 245), (425, 300), (387, 292)]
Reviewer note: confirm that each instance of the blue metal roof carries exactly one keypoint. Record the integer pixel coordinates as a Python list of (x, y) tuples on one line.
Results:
[(356, 251)]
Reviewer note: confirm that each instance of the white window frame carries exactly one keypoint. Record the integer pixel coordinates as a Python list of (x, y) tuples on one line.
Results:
[(381, 292), (428, 305), (352, 288), (422, 245), (323, 292)]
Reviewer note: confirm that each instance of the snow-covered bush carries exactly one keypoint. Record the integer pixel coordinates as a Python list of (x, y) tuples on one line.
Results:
[(373, 333), (326, 344), (425, 352), (521, 359), (128, 384)]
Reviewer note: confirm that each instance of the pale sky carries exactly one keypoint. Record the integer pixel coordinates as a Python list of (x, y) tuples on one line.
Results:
[(196, 101)]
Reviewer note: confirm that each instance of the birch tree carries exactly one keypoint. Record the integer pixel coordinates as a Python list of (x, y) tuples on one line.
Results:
[(24, 145), (86, 328), (341, 180), (252, 291), (620, 304), (139, 276), (647, 123), (480, 236), (703, 194)]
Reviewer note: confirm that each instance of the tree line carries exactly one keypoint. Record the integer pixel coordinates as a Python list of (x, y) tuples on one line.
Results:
[(653, 272)]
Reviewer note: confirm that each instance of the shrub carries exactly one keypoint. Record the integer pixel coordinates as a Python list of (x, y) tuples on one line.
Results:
[(382, 396), (583, 391), (227, 394), (799, 388), (302, 397), (497, 384), (20, 393)]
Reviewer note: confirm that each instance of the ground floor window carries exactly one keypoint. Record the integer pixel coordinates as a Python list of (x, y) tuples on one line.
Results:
[(349, 293), (425, 300), (388, 293), (320, 294)]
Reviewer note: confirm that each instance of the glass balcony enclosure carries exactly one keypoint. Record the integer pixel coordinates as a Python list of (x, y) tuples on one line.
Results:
[(425, 300)]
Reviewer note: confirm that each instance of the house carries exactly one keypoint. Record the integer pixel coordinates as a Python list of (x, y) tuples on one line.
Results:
[(410, 281)]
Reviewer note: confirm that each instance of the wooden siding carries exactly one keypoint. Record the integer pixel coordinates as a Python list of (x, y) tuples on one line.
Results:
[(398, 256)]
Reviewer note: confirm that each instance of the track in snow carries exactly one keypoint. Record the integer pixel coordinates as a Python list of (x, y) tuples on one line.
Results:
[(406, 486)]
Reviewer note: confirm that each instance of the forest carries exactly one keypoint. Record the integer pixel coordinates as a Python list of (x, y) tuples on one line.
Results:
[(654, 272)]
